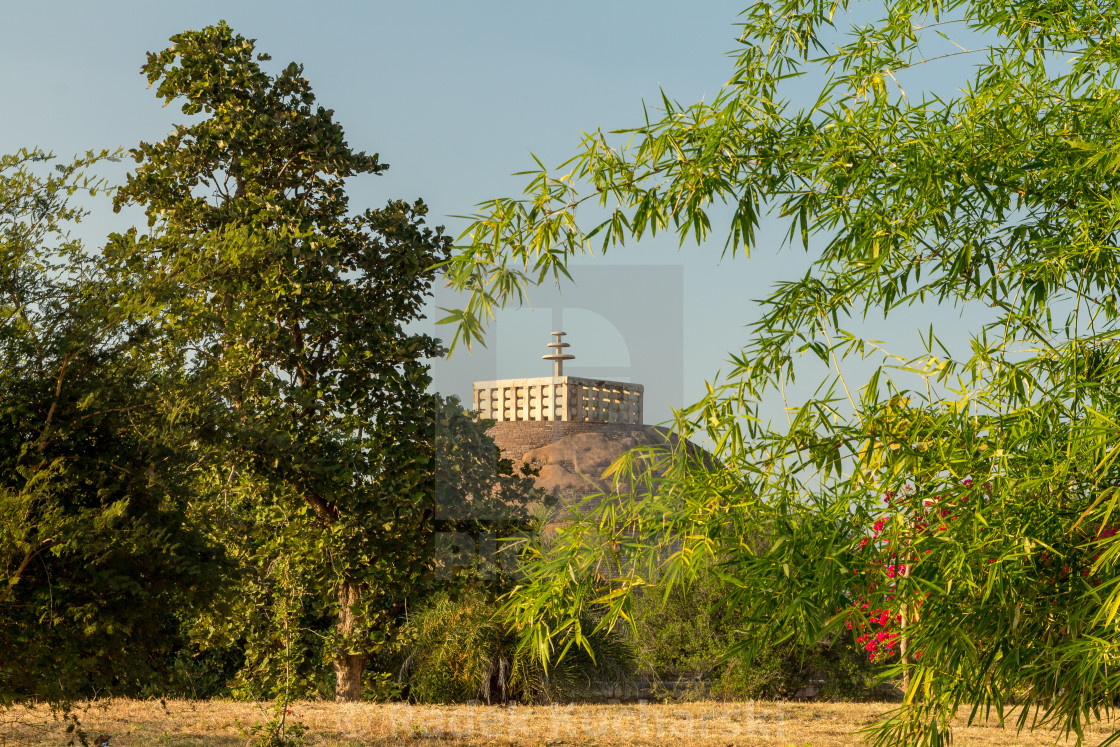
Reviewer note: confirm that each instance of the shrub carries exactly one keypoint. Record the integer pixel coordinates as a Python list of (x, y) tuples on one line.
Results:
[(682, 641), (458, 649)]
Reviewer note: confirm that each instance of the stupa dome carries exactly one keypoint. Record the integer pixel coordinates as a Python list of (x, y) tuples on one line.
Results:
[(569, 428)]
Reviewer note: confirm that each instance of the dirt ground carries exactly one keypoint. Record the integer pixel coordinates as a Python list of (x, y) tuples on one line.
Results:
[(133, 723)]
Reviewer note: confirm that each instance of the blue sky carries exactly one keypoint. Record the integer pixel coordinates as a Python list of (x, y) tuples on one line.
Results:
[(455, 96)]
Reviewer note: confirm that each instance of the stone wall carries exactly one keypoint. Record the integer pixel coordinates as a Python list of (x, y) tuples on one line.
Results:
[(518, 438)]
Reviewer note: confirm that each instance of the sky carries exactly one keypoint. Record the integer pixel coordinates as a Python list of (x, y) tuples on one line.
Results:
[(455, 96)]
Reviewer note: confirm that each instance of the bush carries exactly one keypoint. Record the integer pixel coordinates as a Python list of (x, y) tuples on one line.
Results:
[(682, 640), (457, 649)]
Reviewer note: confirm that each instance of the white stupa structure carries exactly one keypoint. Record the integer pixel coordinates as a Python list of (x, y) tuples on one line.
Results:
[(568, 428)]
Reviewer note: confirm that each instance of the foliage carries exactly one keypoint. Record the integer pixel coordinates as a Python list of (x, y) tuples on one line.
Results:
[(996, 202), (269, 615), (457, 649), (683, 634), (480, 502), (456, 652), (287, 315), (885, 608), (277, 730), (271, 619), (99, 563)]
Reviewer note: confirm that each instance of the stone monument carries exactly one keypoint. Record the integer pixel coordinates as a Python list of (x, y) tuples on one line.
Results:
[(531, 413), (569, 428)]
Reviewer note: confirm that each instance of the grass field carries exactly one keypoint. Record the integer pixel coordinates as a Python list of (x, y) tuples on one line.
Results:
[(132, 723)]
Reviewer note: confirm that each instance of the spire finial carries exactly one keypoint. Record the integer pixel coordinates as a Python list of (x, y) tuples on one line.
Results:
[(557, 357)]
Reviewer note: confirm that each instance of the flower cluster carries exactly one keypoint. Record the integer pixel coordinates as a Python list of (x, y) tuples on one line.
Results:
[(886, 561), (881, 635), (1078, 559), (888, 557)]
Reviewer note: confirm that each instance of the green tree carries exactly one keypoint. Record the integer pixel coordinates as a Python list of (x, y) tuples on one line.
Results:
[(274, 617), (996, 200), (98, 564), (288, 314), (480, 501)]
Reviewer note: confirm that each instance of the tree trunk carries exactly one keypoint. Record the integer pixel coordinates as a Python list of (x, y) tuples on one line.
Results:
[(908, 617), (904, 649), (348, 666)]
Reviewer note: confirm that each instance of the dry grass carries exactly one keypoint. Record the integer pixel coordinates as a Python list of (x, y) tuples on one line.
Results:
[(180, 723)]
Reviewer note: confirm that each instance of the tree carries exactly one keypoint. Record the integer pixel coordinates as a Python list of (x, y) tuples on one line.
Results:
[(997, 200), (98, 562), (481, 502), (288, 315), (274, 617)]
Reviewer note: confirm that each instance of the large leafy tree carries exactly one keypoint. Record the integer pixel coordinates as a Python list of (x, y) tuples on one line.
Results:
[(997, 200), (98, 565), (273, 621), (287, 314)]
